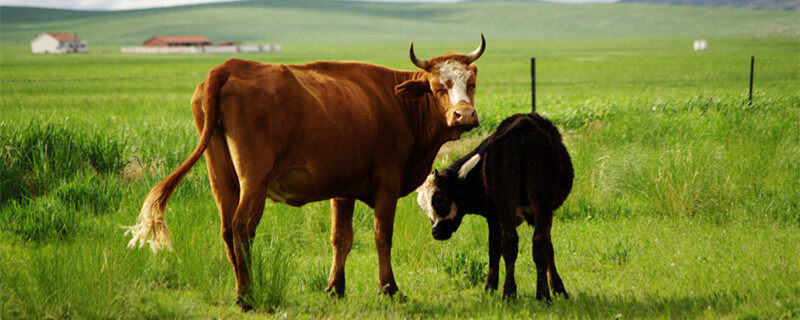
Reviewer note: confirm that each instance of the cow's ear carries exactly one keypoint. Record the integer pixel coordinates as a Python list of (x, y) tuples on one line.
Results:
[(412, 89), (474, 68)]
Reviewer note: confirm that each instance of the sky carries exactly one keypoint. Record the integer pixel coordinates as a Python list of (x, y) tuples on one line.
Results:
[(141, 4)]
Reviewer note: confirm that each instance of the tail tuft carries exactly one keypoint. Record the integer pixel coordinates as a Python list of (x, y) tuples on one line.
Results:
[(150, 227)]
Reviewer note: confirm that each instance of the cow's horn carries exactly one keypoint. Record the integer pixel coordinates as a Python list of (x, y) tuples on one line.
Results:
[(422, 64), (474, 55)]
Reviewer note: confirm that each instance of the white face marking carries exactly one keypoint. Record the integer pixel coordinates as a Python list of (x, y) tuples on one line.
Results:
[(468, 166), (424, 197), (459, 74)]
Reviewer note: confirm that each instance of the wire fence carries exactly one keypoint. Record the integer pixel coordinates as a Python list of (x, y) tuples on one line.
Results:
[(606, 81), (190, 75)]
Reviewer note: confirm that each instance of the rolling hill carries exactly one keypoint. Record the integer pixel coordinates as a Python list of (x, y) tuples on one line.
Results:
[(331, 22), (789, 5)]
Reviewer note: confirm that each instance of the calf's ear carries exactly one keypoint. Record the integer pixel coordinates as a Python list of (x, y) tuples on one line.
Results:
[(412, 89)]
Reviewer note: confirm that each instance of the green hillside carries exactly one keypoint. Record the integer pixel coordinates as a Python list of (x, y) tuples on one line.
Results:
[(745, 4), (330, 22)]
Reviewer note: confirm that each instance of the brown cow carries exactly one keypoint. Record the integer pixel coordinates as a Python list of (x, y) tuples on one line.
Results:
[(296, 134)]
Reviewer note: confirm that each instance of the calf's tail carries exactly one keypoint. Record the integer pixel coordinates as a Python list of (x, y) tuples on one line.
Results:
[(150, 227)]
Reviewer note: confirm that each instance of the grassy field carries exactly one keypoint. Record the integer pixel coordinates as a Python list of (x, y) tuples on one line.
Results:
[(686, 201)]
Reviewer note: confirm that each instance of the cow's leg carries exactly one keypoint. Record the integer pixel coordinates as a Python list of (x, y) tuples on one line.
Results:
[(385, 205), (495, 251), (225, 187), (542, 251), (341, 241), (248, 214), (221, 174)]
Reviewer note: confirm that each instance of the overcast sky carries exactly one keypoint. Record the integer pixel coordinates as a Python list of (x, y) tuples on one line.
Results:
[(139, 4)]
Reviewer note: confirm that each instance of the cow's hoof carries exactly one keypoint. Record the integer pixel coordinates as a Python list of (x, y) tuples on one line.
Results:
[(389, 289), (544, 297), (562, 293), (509, 295), (397, 296), (335, 292), (491, 287), (243, 304)]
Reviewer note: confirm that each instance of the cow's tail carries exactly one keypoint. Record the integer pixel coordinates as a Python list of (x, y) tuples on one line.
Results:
[(150, 227)]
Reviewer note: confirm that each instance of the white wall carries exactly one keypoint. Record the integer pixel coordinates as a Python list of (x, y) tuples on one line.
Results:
[(45, 43), (206, 49)]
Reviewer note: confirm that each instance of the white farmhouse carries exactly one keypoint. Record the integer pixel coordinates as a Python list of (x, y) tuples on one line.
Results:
[(58, 43)]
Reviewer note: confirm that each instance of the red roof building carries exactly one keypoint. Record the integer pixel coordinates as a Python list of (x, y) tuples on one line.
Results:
[(176, 41), (64, 37), (58, 43)]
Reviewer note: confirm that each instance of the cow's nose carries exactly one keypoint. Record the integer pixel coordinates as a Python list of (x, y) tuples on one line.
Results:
[(465, 118)]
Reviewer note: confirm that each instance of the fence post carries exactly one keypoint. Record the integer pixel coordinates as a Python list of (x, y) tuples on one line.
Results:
[(752, 65), (533, 84)]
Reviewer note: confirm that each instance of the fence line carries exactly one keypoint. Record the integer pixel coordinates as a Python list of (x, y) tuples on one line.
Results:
[(149, 101), (729, 61), (627, 81), (196, 74), (642, 63), (106, 79)]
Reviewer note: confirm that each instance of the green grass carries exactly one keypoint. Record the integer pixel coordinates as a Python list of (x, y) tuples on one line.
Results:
[(685, 205)]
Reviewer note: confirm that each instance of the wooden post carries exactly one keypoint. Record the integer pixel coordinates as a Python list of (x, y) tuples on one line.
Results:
[(533, 84), (752, 65)]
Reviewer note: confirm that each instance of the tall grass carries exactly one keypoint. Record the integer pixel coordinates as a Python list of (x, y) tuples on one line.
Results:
[(271, 271), (37, 156)]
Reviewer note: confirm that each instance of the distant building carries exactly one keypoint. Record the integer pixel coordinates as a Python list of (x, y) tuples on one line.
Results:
[(177, 41), (58, 43), (230, 43), (700, 45)]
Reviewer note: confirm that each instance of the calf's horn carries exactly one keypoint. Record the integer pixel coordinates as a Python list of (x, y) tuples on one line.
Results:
[(422, 64), (474, 55)]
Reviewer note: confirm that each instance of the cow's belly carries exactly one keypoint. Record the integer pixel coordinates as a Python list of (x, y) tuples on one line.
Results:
[(299, 186)]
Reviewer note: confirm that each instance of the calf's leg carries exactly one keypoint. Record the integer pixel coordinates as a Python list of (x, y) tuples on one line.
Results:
[(542, 252), (341, 242), (510, 248), (495, 251), (555, 279)]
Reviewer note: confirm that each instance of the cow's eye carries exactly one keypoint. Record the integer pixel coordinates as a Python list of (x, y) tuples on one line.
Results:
[(440, 204), (471, 86)]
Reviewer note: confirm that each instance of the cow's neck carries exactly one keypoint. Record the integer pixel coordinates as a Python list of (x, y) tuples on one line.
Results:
[(429, 128)]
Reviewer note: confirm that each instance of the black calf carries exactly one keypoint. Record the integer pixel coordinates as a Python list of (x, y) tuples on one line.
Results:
[(522, 172)]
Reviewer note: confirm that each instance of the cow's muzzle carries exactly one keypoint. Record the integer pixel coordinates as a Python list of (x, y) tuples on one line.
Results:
[(443, 230), (464, 118)]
